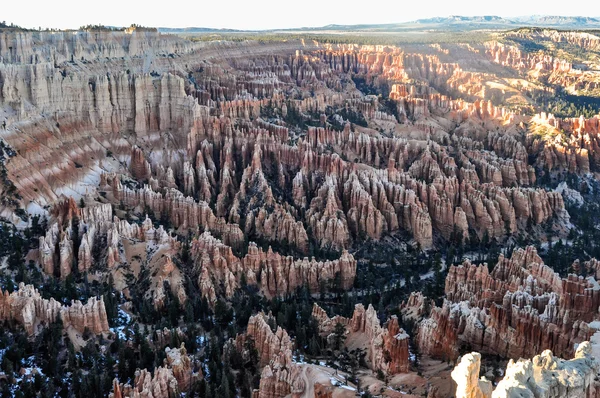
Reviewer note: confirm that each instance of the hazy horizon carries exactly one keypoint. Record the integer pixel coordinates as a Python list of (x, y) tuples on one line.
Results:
[(263, 14)]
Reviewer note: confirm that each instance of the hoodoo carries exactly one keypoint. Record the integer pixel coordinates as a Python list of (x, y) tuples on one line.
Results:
[(374, 210)]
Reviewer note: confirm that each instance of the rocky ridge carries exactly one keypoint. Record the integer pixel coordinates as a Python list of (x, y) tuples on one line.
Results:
[(27, 307), (520, 307)]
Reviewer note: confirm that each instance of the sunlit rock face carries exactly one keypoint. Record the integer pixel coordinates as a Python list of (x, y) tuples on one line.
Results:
[(544, 376), (211, 160)]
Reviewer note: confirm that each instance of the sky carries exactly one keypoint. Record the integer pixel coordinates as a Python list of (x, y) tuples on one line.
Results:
[(265, 14)]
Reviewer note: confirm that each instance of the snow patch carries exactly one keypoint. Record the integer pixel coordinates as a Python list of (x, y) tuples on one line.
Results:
[(594, 325)]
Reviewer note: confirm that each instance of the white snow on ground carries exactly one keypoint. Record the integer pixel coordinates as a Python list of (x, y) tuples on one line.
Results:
[(299, 359), (570, 195), (595, 341), (28, 371), (34, 208), (594, 325), (124, 319), (83, 186), (595, 285), (411, 356)]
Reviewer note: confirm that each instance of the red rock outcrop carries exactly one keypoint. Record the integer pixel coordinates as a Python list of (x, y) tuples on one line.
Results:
[(278, 275), (415, 307), (27, 307), (571, 145), (326, 217), (437, 335), (140, 168), (270, 345), (180, 363), (108, 237), (387, 347), (173, 378), (519, 308), (160, 385), (280, 376)]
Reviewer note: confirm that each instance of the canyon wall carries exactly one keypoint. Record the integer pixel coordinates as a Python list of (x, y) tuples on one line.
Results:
[(224, 169)]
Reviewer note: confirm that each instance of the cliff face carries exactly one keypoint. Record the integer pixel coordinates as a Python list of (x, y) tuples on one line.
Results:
[(387, 347), (58, 47), (437, 335), (519, 308), (145, 103), (545, 376), (27, 307)]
